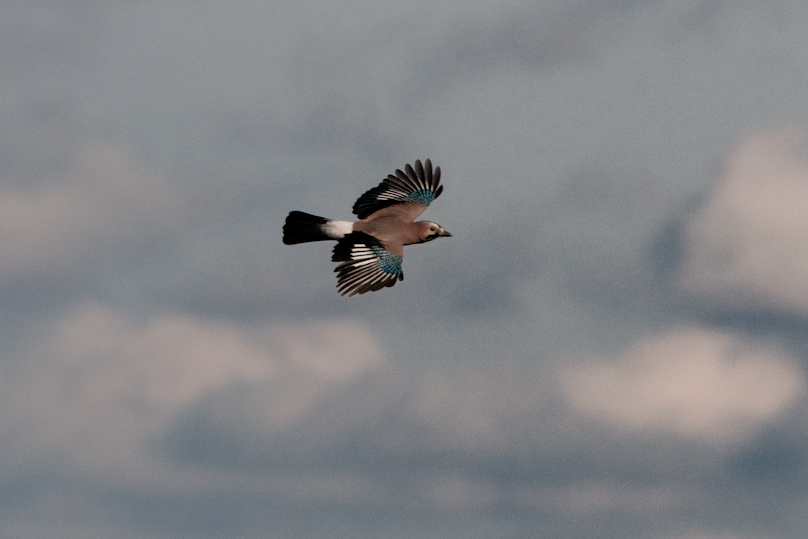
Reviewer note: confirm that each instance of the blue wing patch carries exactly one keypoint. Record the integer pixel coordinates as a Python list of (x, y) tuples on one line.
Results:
[(423, 196), (365, 264), (419, 184)]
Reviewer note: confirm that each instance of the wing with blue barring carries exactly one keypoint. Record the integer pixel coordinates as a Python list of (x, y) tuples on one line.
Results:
[(365, 264), (419, 185)]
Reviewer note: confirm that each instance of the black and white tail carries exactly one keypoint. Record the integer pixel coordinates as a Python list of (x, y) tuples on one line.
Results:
[(304, 227)]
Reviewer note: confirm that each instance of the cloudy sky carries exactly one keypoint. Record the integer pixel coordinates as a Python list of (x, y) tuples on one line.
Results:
[(613, 344)]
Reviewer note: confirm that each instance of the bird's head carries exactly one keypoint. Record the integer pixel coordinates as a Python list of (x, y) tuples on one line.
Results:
[(428, 231)]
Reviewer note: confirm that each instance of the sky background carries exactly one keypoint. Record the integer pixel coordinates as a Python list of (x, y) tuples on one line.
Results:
[(613, 344)]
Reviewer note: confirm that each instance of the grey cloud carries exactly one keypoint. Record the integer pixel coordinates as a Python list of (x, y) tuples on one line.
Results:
[(97, 208), (538, 37), (213, 393), (34, 151), (512, 429), (776, 457), (335, 122), (391, 445), (544, 34)]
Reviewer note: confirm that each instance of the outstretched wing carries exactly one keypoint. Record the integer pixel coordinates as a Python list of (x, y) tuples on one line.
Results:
[(417, 187), (366, 264)]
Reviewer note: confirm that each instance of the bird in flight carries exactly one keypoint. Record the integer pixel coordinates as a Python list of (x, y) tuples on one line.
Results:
[(370, 250)]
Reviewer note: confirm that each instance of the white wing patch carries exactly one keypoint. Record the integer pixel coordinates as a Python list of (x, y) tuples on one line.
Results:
[(365, 265)]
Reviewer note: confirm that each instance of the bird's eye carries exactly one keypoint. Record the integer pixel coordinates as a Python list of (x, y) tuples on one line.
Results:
[(432, 229)]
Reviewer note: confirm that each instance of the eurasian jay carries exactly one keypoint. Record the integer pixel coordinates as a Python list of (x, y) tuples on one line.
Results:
[(370, 250)]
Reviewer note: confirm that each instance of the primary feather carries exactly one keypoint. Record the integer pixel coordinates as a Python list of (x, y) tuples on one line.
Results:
[(417, 186), (366, 264)]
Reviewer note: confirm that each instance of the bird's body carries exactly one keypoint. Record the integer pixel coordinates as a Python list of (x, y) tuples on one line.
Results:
[(371, 249)]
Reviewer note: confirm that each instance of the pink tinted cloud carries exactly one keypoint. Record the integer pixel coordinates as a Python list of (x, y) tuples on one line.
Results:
[(695, 383), (747, 246), (102, 197), (93, 392)]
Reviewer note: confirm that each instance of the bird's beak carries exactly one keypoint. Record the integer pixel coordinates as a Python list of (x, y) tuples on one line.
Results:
[(445, 234)]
